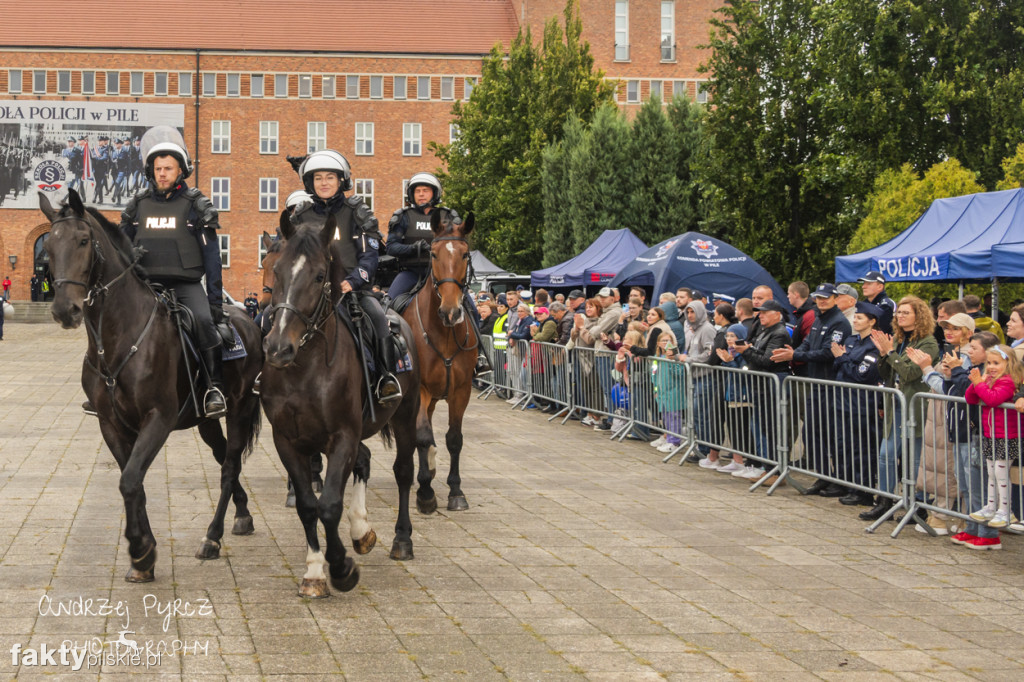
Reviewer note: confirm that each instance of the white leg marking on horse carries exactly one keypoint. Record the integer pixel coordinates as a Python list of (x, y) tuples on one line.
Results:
[(315, 565), (359, 526), (451, 249), (432, 458)]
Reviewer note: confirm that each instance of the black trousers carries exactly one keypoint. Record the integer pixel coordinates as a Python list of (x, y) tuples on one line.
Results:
[(192, 295)]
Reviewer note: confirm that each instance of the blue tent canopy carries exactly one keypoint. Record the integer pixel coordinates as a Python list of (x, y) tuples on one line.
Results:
[(701, 262), (1008, 261), (596, 265), (951, 241)]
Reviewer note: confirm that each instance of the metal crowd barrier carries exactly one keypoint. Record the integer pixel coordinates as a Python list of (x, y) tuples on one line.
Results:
[(593, 382), (550, 376), (487, 379), (658, 401), (507, 375), (952, 479)]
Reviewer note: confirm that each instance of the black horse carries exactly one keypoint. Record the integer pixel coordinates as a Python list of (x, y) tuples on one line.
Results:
[(137, 376), (314, 392)]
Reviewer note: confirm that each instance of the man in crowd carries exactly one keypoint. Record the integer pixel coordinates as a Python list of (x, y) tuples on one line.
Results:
[(799, 295), (873, 286), (683, 297), (846, 299), (563, 321), (745, 314), (576, 302), (982, 322)]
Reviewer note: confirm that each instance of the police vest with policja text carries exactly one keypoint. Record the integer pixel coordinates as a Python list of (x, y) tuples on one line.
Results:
[(172, 248), (417, 229)]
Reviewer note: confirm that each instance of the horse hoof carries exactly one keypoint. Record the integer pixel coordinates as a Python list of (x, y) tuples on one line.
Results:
[(134, 575), (208, 550), (427, 506), (290, 500), (457, 503), (314, 589), (401, 550), (243, 526), (364, 544), (347, 577)]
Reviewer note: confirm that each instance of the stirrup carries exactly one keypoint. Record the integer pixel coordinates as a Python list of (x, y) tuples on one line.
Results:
[(383, 383), (215, 413), (88, 408), (256, 383)]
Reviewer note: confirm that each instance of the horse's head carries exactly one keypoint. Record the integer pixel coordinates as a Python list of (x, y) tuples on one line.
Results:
[(449, 265), (73, 257), (273, 248), (301, 289)]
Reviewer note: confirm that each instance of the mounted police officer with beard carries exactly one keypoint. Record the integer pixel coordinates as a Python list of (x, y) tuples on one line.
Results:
[(326, 175), (177, 226), (409, 237)]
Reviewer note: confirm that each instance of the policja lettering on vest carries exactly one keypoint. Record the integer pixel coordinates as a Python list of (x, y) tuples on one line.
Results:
[(161, 223)]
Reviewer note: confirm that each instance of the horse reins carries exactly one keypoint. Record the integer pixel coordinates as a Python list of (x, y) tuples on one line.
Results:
[(314, 322)]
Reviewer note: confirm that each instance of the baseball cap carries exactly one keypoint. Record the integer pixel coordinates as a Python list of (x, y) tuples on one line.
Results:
[(773, 306), (576, 293), (824, 290), (873, 276), (959, 320), (869, 309), (726, 298), (605, 291), (847, 290), (696, 294), (540, 310)]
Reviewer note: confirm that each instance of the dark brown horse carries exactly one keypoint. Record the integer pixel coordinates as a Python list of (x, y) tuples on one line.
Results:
[(137, 377), (447, 346), (313, 392)]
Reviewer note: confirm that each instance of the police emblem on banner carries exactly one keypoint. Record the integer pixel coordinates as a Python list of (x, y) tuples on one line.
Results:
[(704, 247), (49, 175)]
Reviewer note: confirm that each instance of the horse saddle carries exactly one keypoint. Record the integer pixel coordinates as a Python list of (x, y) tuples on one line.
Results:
[(231, 347), (402, 302)]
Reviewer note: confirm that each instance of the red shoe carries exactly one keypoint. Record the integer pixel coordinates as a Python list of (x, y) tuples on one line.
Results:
[(963, 538), (983, 543)]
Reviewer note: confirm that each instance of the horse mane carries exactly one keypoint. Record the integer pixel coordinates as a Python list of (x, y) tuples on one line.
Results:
[(117, 237), (306, 242)]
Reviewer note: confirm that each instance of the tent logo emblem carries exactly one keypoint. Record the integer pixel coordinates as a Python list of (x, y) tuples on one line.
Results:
[(704, 248), (666, 247)]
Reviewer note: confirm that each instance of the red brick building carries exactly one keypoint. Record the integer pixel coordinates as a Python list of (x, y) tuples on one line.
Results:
[(374, 80)]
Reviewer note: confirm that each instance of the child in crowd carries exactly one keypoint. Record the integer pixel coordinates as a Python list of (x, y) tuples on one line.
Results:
[(1000, 444), (670, 387), (737, 411)]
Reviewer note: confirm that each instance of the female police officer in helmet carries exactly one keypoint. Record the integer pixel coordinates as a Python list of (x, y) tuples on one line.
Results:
[(326, 176)]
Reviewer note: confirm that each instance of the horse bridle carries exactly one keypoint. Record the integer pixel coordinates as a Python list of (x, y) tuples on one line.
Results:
[(93, 292), (315, 321), (461, 283)]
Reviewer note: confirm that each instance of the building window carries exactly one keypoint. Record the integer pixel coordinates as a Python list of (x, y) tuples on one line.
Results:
[(702, 93), (281, 85), (621, 31), (632, 91), (305, 85), (364, 189), (470, 83), (268, 137), (364, 139), (184, 84), (88, 82), (423, 87), (352, 87), (328, 87), (447, 87), (411, 133), (135, 83), (405, 192), (316, 136), (224, 241), (376, 87), (656, 89), (113, 82), (256, 85), (160, 83), (401, 86), (14, 81), (220, 193), (679, 89), (221, 137), (63, 82), (268, 194), (39, 82), (234, 84), (209, 85), (668, 31)]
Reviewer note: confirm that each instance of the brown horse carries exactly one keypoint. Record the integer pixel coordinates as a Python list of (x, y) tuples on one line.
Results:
[(313, 392), (447, 346), (136, 374)]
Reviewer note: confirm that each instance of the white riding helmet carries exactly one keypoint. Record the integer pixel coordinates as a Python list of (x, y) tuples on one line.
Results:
[(163, 141), (427, 179), (297, 198), (325, 160)]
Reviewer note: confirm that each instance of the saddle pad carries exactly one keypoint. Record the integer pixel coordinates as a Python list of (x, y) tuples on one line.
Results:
[(237, 350)]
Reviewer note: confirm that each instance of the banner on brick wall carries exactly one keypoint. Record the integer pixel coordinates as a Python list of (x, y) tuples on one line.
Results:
[(92, 147)]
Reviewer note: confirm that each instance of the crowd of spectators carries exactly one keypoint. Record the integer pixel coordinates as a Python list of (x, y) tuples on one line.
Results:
[(845, 349)]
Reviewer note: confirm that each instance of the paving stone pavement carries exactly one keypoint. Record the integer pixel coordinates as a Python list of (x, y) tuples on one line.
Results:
[(578, 559)]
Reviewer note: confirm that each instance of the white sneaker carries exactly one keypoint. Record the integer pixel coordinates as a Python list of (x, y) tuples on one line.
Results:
[(708, 463), (588, 421), (661, 440), (667, 447), (1001, 519), (754, 473), (731, 468)]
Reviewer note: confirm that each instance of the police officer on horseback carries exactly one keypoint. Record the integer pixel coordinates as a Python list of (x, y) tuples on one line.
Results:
[(177, 227), (409, 237), (326, 175)]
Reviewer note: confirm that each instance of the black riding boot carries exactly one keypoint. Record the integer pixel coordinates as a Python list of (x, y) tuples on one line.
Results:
[(214, 404), (483, 363), (388, 388)]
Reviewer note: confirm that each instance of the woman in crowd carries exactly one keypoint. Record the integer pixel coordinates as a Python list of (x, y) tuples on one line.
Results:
[(517, 352), (912, 328), (488, 314), (723, 316), (1015, 331), (631, 312), (700, 337), (643, 388), (588, 388), (737, 407)]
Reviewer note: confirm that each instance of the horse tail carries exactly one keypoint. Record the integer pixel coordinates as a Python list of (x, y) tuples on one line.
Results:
[(255, 424), (387, 435)]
